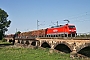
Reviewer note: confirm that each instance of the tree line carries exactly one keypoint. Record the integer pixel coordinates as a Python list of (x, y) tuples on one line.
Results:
[(4, 23)]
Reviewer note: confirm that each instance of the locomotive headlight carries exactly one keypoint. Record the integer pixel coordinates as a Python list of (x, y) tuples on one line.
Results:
[(74, 30), (70, 30)]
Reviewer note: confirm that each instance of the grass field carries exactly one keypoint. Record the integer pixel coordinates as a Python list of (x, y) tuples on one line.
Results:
[(11, 53), (4, 42), (20, 53)]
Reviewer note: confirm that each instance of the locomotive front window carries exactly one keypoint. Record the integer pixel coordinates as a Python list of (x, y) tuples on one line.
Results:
[(71, 26)]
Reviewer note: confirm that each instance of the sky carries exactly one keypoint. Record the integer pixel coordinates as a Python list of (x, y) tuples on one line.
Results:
[(25, 13)]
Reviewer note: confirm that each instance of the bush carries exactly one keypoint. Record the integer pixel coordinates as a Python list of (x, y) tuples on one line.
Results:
[(4, 40)]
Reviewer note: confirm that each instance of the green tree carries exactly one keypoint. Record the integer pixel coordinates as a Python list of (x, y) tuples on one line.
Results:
[(17, 33), (4, 23)]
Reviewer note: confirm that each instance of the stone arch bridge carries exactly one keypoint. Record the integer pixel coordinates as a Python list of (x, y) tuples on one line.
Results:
[(75, 45)]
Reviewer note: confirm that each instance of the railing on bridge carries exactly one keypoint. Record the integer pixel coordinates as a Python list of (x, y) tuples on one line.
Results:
[(81, 36), (78, 36), (25, 37)]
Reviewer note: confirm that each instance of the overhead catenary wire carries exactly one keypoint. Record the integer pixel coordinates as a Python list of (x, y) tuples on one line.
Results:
[(78, 18)]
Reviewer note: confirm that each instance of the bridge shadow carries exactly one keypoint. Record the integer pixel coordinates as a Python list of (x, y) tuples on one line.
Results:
[(3, 45), (63, 48), (85, 51), (45, 45)]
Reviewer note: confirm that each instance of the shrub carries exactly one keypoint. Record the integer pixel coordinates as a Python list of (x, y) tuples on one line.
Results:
[(4, 40)]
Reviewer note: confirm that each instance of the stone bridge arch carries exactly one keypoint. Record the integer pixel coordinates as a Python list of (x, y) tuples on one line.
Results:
[(82, 46), (27, 42), (48, 42), (65, 43), (33, 43)]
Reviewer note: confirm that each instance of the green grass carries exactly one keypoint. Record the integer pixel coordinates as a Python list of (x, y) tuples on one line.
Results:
[(4, 42), (18, 53), (30, 54)]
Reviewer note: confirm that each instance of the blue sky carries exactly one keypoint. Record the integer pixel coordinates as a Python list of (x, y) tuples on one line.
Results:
[(25, 13)]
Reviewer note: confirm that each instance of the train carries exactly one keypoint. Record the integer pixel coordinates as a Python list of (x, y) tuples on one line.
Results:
[(67, 30)]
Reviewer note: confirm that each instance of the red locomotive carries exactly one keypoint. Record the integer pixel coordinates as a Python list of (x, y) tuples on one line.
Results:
[(55, 31), (62, 30)]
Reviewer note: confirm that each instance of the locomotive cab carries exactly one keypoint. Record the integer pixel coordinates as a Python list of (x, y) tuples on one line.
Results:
[(72, 30)]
